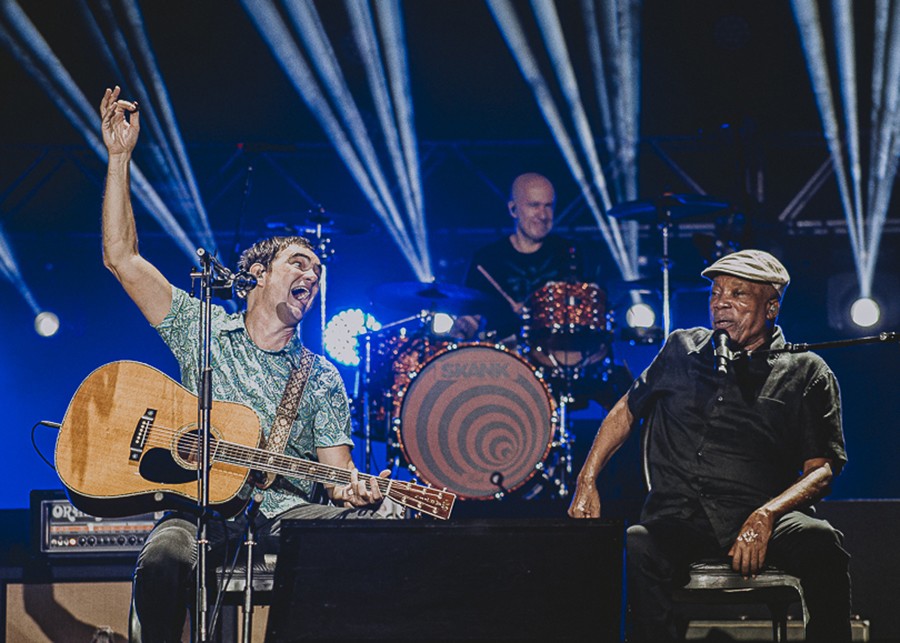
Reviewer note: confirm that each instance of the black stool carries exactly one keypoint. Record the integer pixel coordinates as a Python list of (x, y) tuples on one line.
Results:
[(233, 595)]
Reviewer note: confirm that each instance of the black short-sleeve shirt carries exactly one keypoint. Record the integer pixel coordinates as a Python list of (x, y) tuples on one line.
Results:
[(729, 443), (520, 275)]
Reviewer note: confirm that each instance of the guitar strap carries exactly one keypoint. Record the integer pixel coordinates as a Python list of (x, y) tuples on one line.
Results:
[(287, 411)]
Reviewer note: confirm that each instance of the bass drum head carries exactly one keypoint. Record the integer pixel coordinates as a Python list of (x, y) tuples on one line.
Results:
[(476, 420)]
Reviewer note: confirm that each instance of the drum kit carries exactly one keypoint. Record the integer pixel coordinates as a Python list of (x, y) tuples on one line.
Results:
[(486, 420), (490, 420)]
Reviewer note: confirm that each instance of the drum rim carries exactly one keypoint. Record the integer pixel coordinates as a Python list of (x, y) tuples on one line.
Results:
[(400, 401)]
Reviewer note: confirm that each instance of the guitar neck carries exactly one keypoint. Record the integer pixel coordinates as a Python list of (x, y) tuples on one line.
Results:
[(434, 502)]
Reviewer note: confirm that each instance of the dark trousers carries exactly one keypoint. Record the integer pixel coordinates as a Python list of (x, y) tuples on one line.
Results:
[(659, 554), (165, 575)]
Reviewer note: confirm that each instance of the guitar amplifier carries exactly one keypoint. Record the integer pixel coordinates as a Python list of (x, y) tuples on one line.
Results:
[(58, 527)]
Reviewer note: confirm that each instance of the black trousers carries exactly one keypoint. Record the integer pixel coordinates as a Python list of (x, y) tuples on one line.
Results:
[(165, 575), (659, 554)]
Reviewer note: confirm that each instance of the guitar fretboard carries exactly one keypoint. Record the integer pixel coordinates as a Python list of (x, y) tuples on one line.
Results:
[(434, 502)]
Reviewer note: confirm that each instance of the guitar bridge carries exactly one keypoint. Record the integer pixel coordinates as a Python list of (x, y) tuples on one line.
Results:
[(139, 438)]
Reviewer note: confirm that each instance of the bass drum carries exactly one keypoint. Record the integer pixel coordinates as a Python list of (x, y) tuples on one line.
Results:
[(477, 420)]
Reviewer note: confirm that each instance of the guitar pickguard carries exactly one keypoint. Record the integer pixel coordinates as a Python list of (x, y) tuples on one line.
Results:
[(160, 467)]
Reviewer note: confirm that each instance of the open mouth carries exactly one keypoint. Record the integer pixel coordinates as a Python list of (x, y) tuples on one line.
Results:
[(300, 292)]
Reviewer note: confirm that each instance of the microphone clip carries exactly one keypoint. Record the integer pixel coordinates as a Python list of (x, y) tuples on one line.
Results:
[(722, 351)]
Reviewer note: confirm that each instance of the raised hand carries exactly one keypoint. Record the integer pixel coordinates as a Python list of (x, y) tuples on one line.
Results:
[(119, 134)]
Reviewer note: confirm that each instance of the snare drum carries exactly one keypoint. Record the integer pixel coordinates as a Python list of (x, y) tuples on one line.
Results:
[(565, 324), (477, 420)]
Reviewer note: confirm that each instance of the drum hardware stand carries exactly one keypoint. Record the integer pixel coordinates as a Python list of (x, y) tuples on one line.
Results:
[(565, 443), (665, 227), (562, 440), (322, 246), (497, 481), (365, 381), (364, 374), (661, 211)]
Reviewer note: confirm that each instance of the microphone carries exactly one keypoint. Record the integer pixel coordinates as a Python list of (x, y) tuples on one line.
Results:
[(243, 283), (722, 351)]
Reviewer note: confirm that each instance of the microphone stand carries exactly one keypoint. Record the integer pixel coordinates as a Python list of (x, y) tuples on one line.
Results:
[(249, 543), (881, 338), (214, 277)]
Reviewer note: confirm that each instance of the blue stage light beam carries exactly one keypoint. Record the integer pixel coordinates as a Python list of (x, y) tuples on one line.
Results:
[(37, 58), (363, 28), (9, 267), (865, 219), (846, 64), (554, 40), (278, 37), (309, 27), (595, 55), (511, 30), (884, 172), (396, 59), (171, 139), (808, 22), (879, 57), (167, 148)]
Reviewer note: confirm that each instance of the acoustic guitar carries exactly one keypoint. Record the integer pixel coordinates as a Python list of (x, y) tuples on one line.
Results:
[(129, 445)]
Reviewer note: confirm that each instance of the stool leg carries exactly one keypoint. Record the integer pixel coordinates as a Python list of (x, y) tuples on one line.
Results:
[(779, 621)]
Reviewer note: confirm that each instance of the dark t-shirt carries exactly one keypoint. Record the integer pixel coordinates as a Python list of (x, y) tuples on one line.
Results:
[(727, 444), (520, 275)]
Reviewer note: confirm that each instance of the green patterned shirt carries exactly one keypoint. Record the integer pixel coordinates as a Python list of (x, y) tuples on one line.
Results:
[(245, 373)]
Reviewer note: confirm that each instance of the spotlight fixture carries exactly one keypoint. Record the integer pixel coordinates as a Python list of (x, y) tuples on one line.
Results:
[(441, 323), (46, 324), (341, 332), (865, 312), (640, 315)]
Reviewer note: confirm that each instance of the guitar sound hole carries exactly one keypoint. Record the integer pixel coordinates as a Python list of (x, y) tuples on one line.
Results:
[(186, 447)]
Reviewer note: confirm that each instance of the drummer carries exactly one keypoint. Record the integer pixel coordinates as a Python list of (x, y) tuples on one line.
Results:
[(510, 270)]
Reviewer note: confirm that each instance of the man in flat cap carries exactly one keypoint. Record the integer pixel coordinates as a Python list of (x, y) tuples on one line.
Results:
[(740, 447)]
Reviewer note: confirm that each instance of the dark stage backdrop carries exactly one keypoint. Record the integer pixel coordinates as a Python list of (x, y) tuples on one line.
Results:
[(99, 324)]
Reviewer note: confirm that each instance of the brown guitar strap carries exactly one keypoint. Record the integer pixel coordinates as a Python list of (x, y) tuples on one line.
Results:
[(287, 411)]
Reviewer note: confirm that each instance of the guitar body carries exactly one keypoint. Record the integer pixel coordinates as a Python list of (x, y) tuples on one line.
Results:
[(128, 444)]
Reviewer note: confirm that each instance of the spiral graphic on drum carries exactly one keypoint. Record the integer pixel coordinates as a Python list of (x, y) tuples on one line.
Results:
[(473, 412)]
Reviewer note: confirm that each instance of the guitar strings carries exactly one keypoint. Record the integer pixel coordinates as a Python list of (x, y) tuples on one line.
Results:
[(246, 457)]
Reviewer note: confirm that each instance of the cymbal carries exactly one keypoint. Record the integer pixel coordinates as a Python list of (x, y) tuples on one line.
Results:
[(676, 206), (316, 222), (432, 296)]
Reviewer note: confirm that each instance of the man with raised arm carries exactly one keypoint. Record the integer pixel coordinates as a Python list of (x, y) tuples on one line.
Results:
[(253, 354)]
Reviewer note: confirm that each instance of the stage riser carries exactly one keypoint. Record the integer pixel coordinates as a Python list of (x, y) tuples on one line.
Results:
[(869, 526), (485, 580), (738, 630)]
